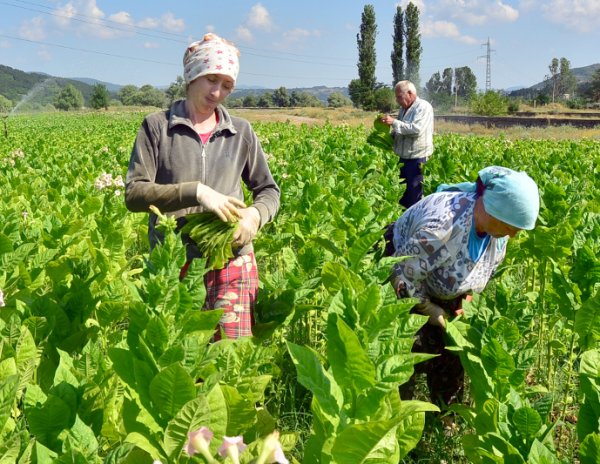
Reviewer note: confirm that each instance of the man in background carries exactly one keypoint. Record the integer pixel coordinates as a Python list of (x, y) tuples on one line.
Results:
[(412, 131)]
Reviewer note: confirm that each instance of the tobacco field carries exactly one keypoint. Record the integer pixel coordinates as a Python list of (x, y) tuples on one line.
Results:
[(106, 358)]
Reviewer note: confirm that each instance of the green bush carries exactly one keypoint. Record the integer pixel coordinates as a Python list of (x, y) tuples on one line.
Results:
[(490, 103)]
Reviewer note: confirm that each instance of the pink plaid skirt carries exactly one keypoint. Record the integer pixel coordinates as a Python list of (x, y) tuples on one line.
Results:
[(233, 289)]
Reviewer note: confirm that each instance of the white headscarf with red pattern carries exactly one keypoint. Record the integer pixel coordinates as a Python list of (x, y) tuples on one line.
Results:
[(211, 55)]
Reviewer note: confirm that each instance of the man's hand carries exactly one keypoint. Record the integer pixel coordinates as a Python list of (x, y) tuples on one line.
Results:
[(387, 119), (248, 226), (223, 206)]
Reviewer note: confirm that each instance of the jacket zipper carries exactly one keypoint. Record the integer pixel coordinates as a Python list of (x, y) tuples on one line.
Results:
[(203, 163)]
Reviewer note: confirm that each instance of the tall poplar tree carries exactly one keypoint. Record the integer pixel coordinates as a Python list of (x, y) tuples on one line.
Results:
[(553, 77), (398, 47), (413, 44), (567, 80), (367, 59), (447, 78)]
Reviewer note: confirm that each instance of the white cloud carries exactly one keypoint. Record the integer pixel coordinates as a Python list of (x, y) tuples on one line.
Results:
[(502, 12), (149, 23), (171, 23), (578, 15), (244, 34), (87, 19), (446, 29), (476, 12), (4, 44), (151, 45), (122, 17), (420, 4), (474, 19), (33, 29), (259, 18), (63, 15), (296, 37)]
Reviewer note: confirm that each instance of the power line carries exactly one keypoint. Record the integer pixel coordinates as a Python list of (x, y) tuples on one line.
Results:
[(96, 22), (136, 58), (139, 30)]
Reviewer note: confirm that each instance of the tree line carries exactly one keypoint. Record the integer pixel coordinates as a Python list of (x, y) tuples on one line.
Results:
[(451, 86), (70, 98)]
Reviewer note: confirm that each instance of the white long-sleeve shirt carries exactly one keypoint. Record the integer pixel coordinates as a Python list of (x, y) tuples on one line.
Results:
[(413, 131)]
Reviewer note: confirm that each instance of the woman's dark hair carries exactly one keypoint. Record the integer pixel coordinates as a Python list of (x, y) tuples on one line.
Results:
[(480, 188)]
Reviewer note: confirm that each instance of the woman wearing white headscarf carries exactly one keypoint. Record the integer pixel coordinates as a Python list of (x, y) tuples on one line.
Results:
[(193, 158), (454, 240)]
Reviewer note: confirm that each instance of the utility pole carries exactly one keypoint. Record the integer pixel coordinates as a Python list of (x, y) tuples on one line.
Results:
[(488, 65)]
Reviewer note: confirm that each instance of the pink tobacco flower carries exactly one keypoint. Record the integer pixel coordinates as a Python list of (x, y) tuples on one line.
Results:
[(232, 447), (272, 451), (198, 442)]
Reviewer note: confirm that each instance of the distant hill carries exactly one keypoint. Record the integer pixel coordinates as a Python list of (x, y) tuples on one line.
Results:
[(583, 76), (112, 88), (40, 88), (36, 88)]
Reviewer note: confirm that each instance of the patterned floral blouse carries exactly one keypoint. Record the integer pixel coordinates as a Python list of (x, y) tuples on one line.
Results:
[(434, 235)]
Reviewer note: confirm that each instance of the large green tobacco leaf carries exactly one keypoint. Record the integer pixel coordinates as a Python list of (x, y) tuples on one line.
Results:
[(589, 450), (144, 443), (170, 389), (499, 364), (409, 432), (493, 448), (350, 364), (11, 448), (8, 392), (482, 383), (540, 454), (81, 438), (203, 411), (323, 386), (373, 442), (5, 244), (527, 421), (587, 323), (335, 277), (26, 355), (46, 422), (8, 367), (368, 304), (589, 409), (241, 412), (361, 246)]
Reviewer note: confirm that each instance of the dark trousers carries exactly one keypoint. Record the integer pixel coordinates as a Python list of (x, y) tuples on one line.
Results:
[(411, 173), (445, 373)]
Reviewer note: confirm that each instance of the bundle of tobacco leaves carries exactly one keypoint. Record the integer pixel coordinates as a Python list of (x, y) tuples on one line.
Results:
[(380, 136), (212, 236)]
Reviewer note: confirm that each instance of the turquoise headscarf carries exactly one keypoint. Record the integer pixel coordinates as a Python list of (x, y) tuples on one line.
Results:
[(510, 196)]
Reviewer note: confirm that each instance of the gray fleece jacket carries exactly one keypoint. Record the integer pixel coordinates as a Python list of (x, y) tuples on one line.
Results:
[(169, 160)]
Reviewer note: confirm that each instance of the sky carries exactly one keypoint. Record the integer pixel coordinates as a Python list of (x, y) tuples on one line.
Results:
[(294, 44)]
